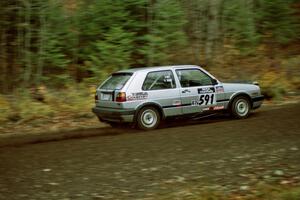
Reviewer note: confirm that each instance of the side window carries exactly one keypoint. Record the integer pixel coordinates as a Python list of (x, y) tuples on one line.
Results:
[(193, 77), (159, 80)]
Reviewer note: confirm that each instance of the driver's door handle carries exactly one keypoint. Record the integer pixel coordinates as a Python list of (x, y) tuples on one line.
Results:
[(186, 90)]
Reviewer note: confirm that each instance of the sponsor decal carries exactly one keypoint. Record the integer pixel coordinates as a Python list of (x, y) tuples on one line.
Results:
[(213, 108), (176, 103), (219, 89), (137, 96), (195, 103), (206, 90), (218, 108)]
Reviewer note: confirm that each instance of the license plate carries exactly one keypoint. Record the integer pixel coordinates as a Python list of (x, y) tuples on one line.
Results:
[(105, 97)]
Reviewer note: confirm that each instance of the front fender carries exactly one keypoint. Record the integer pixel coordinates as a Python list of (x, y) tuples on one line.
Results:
[(240, 93)]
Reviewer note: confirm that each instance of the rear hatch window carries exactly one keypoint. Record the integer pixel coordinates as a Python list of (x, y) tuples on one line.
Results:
[(116, 81), (109, 89)]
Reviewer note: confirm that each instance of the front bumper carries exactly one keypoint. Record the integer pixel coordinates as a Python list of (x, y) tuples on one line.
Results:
[(113, 114), (257, 101)]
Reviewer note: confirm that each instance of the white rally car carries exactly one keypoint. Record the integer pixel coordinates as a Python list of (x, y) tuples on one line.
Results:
[(145, 96)]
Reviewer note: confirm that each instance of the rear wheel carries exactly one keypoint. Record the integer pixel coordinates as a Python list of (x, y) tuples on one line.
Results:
[(148, 118), (240, 107)]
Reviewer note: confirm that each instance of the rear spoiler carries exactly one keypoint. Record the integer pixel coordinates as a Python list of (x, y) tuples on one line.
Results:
[(121, 73)]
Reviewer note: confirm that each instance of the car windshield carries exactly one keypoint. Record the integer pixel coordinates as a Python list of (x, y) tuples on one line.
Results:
[(116, 81)]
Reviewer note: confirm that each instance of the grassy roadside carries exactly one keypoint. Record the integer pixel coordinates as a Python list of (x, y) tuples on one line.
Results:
[(55, 116), (64, 110), (47, 109), (43, 110)]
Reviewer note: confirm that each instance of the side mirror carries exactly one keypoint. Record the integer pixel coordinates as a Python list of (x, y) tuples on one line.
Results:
[(214, 82)]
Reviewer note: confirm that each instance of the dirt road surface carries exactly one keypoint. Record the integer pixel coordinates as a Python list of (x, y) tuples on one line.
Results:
[(219, 153)]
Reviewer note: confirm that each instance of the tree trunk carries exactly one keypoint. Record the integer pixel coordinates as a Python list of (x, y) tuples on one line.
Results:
[(212, 29), (198, 32), (40, 63), (150, 20), (4, 45), (28, 64), (3, 62)]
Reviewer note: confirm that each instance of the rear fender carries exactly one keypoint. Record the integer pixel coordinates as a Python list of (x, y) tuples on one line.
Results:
[(152, 104)]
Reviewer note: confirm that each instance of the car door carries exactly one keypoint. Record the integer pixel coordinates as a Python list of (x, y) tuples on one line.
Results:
[(197, 90), (161, 88)]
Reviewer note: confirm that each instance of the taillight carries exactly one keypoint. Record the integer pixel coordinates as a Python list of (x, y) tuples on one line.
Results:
[(121, 97)]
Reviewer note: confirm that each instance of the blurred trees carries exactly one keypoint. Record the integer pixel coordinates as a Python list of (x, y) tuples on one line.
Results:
[(58, 42)]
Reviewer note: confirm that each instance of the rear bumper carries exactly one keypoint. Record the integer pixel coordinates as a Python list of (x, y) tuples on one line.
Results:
[(113, 115), (257, 101)]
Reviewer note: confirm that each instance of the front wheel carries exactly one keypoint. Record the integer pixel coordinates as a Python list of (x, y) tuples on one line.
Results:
[(240, 107), (148, 118)]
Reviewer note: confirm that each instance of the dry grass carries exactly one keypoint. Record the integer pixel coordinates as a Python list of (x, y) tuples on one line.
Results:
[(44, 102)]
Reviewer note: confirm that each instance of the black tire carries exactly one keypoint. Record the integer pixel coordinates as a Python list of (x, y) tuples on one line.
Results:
[(148, 118), (240, 107)]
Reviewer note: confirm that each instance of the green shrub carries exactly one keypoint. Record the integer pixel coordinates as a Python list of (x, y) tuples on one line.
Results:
[(292, 66), (274, 85), (30, 109), (5, 109), (293, 194), (73, 100)]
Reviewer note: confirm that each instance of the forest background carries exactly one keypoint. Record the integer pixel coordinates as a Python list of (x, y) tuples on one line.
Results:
[(54, 53)]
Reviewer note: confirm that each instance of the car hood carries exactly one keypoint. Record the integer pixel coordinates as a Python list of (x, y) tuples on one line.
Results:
[(240, 87)]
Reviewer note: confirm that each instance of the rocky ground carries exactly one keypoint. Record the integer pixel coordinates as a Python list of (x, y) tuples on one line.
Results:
[(181, 158)]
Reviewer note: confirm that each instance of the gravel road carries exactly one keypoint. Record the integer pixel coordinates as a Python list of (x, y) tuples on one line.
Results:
[(219, 153)]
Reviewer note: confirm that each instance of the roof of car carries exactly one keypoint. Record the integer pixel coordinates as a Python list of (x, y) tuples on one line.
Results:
[(156, 68)]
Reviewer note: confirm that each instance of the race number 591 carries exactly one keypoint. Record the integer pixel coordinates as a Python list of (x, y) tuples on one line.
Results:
[(206, 99)]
